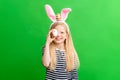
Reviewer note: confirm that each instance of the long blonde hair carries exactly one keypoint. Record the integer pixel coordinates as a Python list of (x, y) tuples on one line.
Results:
[(71, 56)]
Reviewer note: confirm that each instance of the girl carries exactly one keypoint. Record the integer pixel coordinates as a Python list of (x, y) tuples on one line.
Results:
[(59, 56)]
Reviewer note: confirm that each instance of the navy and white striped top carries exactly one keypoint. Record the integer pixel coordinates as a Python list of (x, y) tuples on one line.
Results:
[(60, 73)]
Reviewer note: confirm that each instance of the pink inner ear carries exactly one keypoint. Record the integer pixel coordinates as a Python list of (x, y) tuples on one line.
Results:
[(50, 13), (66, 10), (64, 13)]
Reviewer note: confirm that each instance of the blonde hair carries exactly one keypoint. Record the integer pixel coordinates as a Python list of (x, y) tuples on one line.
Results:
[(71, 56)]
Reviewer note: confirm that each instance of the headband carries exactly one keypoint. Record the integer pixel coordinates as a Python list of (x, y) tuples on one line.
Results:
[(57, 18)]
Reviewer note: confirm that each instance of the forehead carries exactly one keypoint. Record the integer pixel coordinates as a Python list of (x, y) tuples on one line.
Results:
[(60, 27)]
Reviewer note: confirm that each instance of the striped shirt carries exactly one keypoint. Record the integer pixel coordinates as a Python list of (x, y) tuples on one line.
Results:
[(60, 73)]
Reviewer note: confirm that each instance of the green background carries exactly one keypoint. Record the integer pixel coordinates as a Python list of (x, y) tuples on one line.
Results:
[(95, 28)]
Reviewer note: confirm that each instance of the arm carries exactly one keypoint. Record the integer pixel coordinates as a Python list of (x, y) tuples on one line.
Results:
[(46, 51), (46, 56)]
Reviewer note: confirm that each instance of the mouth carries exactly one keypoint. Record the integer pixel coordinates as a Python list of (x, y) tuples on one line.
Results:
[(58, 39)]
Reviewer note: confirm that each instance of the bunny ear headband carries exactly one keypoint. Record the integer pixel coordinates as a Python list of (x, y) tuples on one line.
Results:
[(54, 18)]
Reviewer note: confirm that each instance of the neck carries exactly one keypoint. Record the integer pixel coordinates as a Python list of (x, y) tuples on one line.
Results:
[(60, 46)]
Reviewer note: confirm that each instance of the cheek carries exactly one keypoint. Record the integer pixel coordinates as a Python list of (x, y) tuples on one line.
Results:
[(65, 36)]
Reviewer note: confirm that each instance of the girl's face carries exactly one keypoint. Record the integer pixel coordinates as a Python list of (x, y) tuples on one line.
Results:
[(60, 38)]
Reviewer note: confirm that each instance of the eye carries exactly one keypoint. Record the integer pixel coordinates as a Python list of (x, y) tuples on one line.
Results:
[(62, 32)]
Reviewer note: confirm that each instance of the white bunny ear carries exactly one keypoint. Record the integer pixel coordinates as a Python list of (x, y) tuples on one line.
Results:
[(64, 13), (50, 12)]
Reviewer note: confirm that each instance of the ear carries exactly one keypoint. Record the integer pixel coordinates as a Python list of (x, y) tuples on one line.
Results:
[(64, 13), (50, 12)]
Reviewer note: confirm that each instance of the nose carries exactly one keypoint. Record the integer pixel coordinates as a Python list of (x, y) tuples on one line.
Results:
[(58, 34)]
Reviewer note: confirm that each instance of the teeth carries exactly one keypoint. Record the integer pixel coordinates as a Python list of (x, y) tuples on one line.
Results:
[(58, 38)]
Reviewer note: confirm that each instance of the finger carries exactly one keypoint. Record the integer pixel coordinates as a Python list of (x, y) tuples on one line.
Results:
[(53, 37), (50, 31)]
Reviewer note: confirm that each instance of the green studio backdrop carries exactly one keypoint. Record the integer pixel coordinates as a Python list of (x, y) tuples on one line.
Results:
[(95, 29)]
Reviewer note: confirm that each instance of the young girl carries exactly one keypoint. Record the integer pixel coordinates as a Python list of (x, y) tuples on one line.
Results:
[(59, 56)]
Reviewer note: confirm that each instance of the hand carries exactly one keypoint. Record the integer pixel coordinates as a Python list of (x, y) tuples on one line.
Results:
[(50, 37)]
